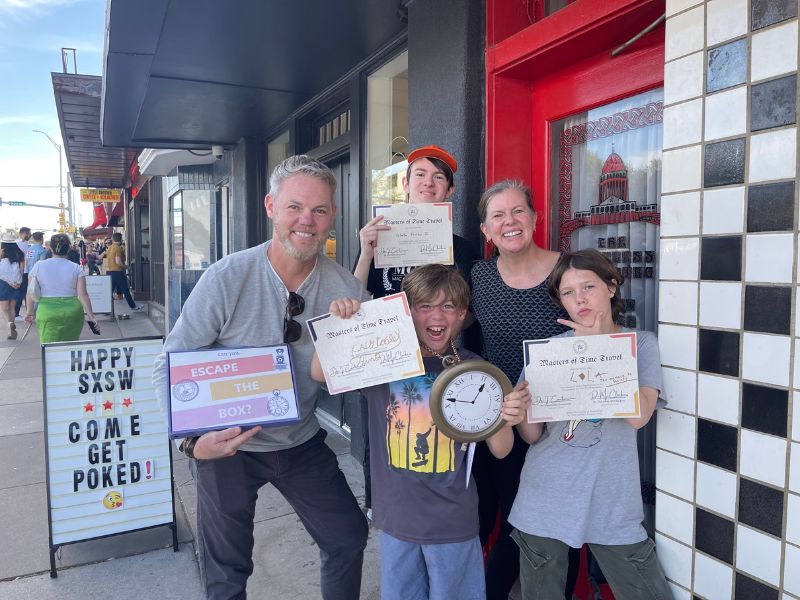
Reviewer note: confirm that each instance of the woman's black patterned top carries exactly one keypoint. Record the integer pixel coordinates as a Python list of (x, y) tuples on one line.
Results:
[(508, 316)]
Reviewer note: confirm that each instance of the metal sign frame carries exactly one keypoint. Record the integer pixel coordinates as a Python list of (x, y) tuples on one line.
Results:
[(110, 294)]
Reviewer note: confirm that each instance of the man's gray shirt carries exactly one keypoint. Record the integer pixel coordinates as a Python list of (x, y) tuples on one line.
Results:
[(240, 302)]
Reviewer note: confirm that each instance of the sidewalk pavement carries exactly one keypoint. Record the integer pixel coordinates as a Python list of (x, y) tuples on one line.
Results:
[(132, 566)]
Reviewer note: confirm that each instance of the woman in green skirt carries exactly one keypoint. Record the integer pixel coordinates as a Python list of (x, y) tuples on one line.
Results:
[(63, 297)]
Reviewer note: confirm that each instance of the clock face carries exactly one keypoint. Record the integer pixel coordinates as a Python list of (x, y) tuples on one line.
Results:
[(472, 401), (466, 400)]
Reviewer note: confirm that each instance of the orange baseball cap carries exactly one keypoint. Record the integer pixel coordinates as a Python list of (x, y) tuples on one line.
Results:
[(434, 152)]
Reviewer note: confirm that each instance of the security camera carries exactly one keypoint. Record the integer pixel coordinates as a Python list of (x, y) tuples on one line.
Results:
[(217, 151)]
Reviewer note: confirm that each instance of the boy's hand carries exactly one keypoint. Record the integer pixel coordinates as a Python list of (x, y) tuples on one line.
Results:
[(515, 405), (344, 307), (368, 236)]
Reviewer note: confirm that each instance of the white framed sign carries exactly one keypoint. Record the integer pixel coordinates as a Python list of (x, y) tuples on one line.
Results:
[(99, 289), (228, 387), (108, 456)]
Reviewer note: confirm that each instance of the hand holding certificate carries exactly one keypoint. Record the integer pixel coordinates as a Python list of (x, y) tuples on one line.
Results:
[(590, 377), (377, 345), (420, 234)]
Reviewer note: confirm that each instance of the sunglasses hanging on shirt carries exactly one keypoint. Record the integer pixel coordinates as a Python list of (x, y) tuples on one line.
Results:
[(292, 330)]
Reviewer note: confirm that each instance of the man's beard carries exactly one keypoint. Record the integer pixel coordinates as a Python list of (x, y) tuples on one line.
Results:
[(301, 255)]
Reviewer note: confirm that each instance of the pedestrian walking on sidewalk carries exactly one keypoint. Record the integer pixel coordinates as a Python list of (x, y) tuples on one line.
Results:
[(12, 262), (92, 260), (116, 269), (63, 297), (24, 246), (258, 297)]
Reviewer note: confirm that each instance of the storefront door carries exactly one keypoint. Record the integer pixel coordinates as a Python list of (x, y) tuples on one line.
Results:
[(582, 127)]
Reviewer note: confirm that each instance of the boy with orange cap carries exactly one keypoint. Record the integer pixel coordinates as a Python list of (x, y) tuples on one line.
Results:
[(429, 178)]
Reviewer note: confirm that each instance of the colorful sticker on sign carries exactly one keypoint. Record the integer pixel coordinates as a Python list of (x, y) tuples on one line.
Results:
[(113, 499)]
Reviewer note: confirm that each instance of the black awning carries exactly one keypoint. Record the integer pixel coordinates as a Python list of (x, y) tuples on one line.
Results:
[(189, 73), (78, 104)]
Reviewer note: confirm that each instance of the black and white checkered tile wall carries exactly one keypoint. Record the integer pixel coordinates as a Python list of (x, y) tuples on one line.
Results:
[(728, 457)]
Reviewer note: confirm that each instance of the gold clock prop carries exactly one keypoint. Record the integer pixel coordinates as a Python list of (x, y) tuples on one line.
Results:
[(466, 399)]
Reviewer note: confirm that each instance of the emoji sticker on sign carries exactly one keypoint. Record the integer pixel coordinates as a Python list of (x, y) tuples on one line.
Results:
[(113, 499)]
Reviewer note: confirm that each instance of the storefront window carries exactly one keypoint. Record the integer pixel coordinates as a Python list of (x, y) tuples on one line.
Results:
[(277, 150), (191, 225), (606, 175), (176, 230), (387, 132), (552, 6)]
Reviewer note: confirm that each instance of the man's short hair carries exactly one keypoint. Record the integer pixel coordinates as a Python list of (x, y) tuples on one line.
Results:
[(117, 237), (38, 236), (300, 164), (24, 230), (424, 283)]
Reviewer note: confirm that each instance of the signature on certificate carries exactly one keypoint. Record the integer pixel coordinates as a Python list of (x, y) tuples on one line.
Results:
[(360, 363), (550, 400), (431, 248), (609, 395), (376, 344), (389, 250)]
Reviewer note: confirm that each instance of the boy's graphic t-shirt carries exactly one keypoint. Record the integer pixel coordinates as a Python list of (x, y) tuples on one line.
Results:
[(419, 475)]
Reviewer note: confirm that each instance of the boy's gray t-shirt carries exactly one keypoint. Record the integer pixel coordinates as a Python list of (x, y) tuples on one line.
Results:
[(587, 489), (240, 302)]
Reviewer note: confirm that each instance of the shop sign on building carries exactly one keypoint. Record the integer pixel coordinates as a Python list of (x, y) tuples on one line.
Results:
[(98, 195)]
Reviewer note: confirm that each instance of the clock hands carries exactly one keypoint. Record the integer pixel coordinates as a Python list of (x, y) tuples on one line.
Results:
[(480, 389), (457, 400)]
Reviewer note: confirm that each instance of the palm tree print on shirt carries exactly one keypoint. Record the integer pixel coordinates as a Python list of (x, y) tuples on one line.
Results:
[(422, 448)]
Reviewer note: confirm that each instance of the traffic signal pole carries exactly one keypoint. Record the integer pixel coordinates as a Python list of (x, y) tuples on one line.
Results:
[(60, 183)]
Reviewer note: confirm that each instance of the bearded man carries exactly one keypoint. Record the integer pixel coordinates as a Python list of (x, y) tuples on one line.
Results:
[(259, 297)]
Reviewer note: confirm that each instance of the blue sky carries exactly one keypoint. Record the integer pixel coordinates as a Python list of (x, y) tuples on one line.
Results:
[(32, 33)]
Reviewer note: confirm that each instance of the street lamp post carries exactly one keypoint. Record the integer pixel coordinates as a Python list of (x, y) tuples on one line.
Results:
[(60, 178)]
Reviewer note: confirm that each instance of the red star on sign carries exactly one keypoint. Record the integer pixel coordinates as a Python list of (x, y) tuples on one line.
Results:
[(88, 407), (108, 405), (126, 402)]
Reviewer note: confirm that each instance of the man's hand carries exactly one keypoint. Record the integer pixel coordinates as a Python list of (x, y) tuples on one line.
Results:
[(344, 307), (221, 444)]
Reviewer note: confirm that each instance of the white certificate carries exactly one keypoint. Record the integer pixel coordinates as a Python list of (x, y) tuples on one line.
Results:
[(421, 234), (590, 377), (377, 345)]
